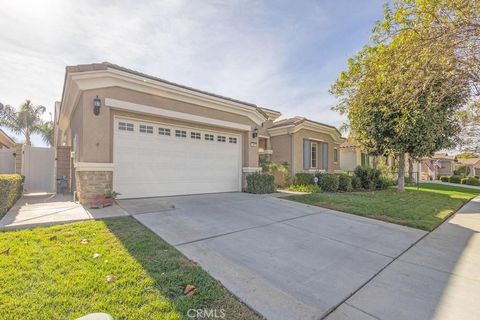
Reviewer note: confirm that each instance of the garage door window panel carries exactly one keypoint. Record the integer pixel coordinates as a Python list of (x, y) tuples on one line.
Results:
[(146, 129), (195, 135), (125, 126), (221, 139), (164, 131), (180, 133), (209, 137), (232, 140)]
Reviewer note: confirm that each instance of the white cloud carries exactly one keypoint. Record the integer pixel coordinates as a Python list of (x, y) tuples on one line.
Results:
[(241, 49)]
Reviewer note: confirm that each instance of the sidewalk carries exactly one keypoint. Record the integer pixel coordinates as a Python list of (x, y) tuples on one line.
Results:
[(47, 209), (438, 278)]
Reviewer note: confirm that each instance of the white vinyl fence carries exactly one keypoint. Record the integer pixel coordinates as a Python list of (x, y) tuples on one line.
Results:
[(38, 167)]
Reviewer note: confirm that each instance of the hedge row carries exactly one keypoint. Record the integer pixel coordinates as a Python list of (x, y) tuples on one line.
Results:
[(11, 188), (472, 181)]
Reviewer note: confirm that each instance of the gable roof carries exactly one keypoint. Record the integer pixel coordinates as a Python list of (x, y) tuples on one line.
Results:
[(106, 65), (6, 140), (469, 161), (294, 121)]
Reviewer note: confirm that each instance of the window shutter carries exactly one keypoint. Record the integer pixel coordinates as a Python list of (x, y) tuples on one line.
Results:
[(325, 156), (306, 154)]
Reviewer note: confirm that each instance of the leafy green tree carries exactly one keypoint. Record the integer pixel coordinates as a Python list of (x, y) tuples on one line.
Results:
[(400, 96), (25, 121), (467, 155)]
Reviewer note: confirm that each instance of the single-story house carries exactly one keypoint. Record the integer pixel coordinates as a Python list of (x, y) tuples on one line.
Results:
[(143, 136), (305, 145), (440, 164), (473, 164), (6, 142)]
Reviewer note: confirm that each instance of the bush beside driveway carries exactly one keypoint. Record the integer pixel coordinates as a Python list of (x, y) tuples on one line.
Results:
[(10, 191)]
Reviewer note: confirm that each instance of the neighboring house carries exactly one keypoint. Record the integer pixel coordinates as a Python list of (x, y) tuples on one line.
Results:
[(305, 145), (143, 136), (473, 164), (353, 155), (5, 141), (440, 164)]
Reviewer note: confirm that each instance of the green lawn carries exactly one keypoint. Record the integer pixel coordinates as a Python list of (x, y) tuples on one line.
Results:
[(424, 208), (48, 273)]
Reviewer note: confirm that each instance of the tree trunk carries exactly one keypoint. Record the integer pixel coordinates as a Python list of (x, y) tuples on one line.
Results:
[(28, 142), (375, 162), (401, 173), (410, 169)]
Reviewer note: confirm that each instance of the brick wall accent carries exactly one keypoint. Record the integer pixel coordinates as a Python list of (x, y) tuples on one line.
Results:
[(18, 158), (92, 183), (63, 163)]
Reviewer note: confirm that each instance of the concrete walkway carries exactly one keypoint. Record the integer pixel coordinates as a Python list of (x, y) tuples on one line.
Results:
[(438, 278), (47, 209)]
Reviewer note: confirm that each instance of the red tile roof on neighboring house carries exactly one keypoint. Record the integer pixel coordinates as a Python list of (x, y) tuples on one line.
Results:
[(349, 144)]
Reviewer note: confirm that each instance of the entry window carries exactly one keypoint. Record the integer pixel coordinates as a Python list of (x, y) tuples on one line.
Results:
[(335, 155), (180, 133), (209, 137), (221, 138), (195, 135), (232, 140), (313, 155), (125, 126), (145, 129), (164, 131)]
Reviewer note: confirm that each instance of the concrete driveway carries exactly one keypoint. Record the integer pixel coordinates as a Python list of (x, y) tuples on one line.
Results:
[(285, 260)]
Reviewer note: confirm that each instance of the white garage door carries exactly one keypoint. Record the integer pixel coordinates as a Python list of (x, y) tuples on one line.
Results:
[(153, 159)]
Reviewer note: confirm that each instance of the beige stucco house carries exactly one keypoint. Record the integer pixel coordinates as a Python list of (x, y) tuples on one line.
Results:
[(473, 164), (440, 164), (143, 136), (6, 142)]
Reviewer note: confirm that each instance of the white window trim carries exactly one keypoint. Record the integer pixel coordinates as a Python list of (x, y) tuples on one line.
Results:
[(335, 149), (311, 155)]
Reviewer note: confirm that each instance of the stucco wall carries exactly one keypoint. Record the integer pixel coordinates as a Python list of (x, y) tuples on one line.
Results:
[(96, 144), (282, 149), (318, 137), (349, 159)]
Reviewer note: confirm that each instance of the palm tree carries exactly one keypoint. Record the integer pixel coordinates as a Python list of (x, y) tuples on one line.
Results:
[(25, 121), (46, 130)]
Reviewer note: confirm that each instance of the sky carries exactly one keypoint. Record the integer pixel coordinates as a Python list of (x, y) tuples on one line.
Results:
[(282, 55)]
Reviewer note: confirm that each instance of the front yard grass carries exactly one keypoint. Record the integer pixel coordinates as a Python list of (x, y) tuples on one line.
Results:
[(48, 273), (424, 208)]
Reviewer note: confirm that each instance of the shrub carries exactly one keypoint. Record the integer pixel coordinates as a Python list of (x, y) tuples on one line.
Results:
[(328, 182), (471, 181), (279, 171), (345, 182), (455, 179), (312, 188), (462, 170), (303, 178), (384, 182), (260, 183), (10, 190), (445, 178), (368, 177), (356, 182)]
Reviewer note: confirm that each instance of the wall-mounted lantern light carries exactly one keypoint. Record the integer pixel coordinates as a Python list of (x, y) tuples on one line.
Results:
[(255, 133), (97, 103)]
